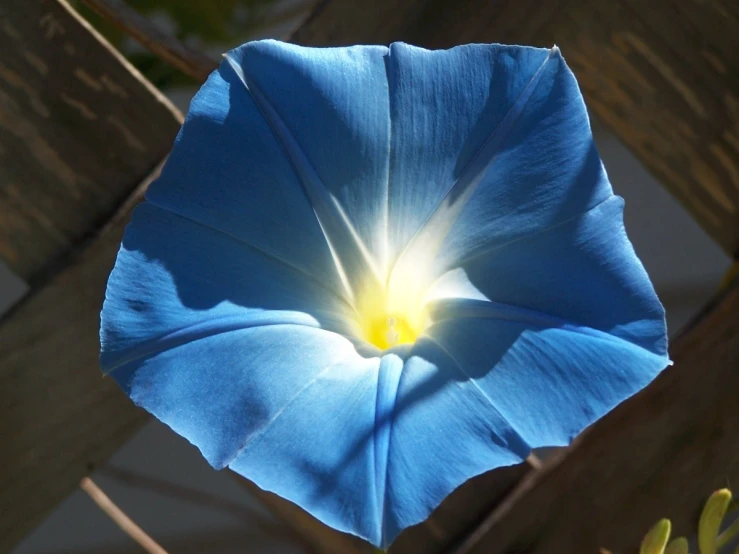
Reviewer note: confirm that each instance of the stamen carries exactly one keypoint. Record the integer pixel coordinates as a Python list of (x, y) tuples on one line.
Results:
[(392, 335)]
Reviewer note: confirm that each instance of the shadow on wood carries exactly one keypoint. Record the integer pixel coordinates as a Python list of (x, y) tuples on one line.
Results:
[(79, 129)]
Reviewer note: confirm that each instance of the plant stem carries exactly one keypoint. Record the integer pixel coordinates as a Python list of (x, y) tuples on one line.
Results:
[(729, 534)]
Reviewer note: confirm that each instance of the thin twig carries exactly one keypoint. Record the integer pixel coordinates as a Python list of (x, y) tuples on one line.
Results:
[(186, 494), (189, 61), (120, 518), (266, 525)]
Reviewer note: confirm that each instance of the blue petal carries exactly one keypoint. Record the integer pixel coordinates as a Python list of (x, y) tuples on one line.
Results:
[(177, 281), (445, 430), (229, 171), (219, 398), (454, 114), (547, 378), (545, 170), (329, 110), (583, 271), (226, 344), (518, 159), (319, 451), (556, 327)]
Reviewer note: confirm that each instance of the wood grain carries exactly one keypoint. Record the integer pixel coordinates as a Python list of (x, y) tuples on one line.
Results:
[(660, 454), (79, 128), (663, 75), (58, 416)]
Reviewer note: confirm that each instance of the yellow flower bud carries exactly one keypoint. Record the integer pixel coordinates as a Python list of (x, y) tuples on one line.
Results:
[(655, 540), (677, 546), (710, 520)]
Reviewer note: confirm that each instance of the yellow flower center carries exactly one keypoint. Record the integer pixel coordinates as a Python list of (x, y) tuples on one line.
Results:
[(392, 318), (386, 332)]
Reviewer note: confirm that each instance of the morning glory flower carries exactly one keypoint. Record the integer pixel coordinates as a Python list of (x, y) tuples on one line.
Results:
[(368, 274)]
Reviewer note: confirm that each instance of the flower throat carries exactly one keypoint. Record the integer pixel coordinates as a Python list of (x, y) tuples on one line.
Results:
[(392, 317)]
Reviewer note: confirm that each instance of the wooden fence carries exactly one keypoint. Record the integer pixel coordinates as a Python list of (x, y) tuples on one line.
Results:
[(82, 133)]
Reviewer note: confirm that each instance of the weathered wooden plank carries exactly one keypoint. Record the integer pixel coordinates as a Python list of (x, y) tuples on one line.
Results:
[(58, 415), (663, 75), (79, 127), (660, 454), (461, 511), (670, 95)]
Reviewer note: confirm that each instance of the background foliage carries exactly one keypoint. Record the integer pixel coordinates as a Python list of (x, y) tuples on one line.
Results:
[(211, 26)]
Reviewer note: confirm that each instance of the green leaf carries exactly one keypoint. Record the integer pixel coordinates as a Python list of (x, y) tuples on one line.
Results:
[(729, 534), (222, 25)]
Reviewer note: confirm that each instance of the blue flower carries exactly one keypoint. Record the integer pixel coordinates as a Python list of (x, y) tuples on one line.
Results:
[(368, 274)]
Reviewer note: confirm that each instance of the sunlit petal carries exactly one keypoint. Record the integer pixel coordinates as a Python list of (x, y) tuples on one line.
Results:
[(319, 449), (175, 280), (548, 378), (582, 271), (545, 171), (452, 112), (445, 430), (229, 171), (565, 322), (330, 110)]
